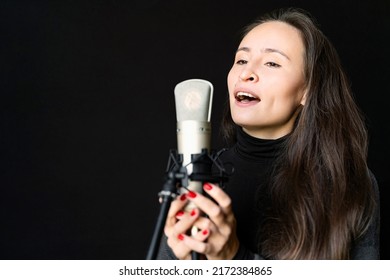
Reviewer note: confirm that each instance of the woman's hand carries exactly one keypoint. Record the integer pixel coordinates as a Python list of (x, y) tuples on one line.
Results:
[(178, 222), (219, 226)]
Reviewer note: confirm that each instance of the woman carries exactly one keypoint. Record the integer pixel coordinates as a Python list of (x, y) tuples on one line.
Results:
[(301, 188)]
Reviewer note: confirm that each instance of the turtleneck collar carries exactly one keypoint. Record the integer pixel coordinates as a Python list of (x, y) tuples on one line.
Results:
[(257, 149)]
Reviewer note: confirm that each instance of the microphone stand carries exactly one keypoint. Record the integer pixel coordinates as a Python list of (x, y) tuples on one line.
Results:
[(168, 192)]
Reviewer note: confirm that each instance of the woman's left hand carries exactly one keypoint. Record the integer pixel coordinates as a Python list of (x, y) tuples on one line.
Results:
[(222, 242)]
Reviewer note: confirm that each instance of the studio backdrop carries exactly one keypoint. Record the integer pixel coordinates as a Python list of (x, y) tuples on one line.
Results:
[(88, 114)]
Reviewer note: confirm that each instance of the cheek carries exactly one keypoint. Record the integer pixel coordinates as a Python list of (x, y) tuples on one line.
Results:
[(230, 82), (293, 91), (287, 104)]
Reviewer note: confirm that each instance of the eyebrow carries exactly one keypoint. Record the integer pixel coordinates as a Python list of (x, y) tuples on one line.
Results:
[(266, 50)]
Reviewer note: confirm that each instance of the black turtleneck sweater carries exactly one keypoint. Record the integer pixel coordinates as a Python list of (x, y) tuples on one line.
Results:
[(253, 160)]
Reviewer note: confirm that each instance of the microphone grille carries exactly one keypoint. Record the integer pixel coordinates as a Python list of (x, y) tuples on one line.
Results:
[(193, 99)]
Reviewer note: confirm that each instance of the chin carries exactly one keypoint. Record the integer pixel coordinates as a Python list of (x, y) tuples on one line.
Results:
[(243, 121)]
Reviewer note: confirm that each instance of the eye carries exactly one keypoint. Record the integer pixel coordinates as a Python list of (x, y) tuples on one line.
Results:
[(273, 64), (241, 62)]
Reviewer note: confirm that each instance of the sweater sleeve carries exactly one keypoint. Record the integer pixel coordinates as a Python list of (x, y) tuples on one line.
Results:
[(165, 252), (367, 246)]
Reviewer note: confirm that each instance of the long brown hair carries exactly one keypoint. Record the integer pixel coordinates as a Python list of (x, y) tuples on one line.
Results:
[(322, 193)]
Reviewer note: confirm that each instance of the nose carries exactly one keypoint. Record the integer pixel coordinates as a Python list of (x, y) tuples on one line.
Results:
[(248, 75)]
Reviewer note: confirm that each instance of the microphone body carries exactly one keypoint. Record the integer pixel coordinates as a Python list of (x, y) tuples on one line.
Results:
[(193, 99)]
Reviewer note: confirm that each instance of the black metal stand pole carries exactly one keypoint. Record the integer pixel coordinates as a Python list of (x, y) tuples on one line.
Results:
[(167, 194)]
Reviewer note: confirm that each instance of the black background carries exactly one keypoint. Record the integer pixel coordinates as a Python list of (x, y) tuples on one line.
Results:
[(88, 118)]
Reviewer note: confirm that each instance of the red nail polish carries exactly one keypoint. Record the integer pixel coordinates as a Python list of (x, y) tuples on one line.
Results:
[(193, 212), (180, 236), (191, 194), (179, 213), (183, 197), (207, 186), (205, 232)]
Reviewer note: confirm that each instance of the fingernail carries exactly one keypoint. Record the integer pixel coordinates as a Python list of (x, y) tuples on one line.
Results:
[(191, 194), (204, 232), (180, 236), (207, 186), (193, 212), (183, 197), (179, 213)]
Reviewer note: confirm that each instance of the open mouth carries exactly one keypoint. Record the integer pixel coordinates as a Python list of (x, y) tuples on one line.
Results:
[(245, 97)]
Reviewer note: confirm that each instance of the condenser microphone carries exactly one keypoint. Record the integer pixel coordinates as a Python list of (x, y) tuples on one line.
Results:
[(193, 100), (190, 165)]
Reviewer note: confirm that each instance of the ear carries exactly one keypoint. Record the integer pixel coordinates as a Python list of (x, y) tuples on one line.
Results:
[(303, 99)]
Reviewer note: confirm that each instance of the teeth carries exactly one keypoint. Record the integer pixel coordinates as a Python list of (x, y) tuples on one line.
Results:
[(245, 94)]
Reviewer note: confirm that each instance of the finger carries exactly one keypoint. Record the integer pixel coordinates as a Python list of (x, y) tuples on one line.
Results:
[(217, 235), (220, 197), (175, 208), (179, 248), (179, 214), (203, 223), (207, 206), (186, 222), (196, 243)]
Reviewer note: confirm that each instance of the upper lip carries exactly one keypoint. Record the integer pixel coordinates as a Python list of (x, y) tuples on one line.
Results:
[(244, 90)]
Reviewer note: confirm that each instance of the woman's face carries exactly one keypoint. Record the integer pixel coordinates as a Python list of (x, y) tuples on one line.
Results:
[(266, 82)]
